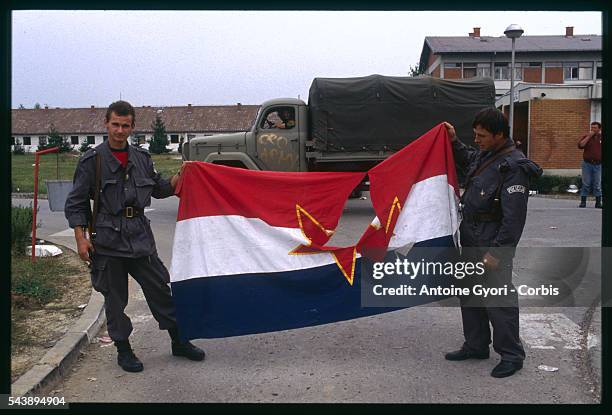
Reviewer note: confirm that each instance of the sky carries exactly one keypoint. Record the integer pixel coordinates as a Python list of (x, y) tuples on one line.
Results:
[(73, 59)]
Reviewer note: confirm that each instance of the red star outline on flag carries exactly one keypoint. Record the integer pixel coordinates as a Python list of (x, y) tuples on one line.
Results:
[(317, 236)]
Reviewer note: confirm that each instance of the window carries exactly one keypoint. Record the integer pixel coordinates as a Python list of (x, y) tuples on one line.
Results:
[(104, 137), (452, 65), (74, 139), (585, 70), (469, 70), (27, 141), (599, 71), (140, 139), (483, 69), (174, 138), (42, 140), (552, 64), (279, 117), (12, 141), (502, 71), (570, 71), (91, 139)]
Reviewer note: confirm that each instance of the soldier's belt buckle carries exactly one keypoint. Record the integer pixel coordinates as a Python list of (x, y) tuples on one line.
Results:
[(129, 212)]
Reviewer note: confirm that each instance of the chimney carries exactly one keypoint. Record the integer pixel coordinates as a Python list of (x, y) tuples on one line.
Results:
[(188, 107), (239, 105), (46, 107), (569, 31), (476, 32)]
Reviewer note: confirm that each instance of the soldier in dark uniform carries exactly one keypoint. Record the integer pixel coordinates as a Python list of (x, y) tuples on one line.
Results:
[(494, 209), (123, 241)]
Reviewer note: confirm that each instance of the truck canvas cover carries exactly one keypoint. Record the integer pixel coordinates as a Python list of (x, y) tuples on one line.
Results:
[(378, 112)]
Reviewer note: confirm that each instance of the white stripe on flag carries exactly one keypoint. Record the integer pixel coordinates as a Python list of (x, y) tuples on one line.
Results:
[(231, 245), (430, 211)]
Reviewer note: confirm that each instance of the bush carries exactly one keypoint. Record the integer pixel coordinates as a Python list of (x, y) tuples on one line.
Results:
[(554, 184), (18, 148), (84, 146), (21, 228)]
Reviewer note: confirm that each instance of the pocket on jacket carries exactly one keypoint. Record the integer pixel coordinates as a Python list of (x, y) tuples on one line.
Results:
[(111, 195), (108, 233), (144, 189)]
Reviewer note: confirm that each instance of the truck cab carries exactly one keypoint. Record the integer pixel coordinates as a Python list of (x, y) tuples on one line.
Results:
[(275, 142)]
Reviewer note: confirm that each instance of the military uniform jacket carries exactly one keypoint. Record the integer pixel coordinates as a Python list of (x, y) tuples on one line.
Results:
[(486, 223), (116, 234)]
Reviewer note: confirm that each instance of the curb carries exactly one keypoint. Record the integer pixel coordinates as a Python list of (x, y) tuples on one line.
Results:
[(594, 353), (54, 365)]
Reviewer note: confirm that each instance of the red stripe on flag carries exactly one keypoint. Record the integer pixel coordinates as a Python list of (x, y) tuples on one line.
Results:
[(206, 189), (391, 181)]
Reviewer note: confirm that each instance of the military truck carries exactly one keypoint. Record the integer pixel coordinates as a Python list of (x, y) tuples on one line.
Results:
[(349, 124)]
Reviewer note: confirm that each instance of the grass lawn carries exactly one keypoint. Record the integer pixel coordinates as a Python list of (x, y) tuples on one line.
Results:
[(39, 282), (22, 169)]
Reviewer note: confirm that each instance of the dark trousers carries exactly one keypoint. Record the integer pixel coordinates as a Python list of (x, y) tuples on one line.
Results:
[(501, 311), (109, 276)]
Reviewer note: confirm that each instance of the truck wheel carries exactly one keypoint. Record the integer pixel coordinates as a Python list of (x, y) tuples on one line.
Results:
[(355, 194)]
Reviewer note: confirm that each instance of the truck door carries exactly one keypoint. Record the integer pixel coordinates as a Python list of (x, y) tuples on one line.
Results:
[(278, 139)]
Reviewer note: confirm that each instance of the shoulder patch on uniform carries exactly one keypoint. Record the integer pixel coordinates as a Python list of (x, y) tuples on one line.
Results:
[(517, 188)]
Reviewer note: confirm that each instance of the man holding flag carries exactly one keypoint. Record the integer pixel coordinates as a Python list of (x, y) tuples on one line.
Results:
[(494, 207), (121, 179)]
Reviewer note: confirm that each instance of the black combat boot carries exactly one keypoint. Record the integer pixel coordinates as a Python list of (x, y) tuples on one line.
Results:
[(598, 202), (126, 357), (506, 368), (185, 349), (582, 202), (464, 354)]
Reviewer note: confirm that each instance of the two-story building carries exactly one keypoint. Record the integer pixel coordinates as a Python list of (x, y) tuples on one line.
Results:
[(30, 127), (557, 86)]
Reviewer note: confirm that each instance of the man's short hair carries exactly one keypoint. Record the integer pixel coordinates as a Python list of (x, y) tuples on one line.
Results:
[(598, 124), (492, 120), (121, 108)]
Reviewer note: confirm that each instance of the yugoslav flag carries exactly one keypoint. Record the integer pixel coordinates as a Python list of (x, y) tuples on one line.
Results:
[(250, 251)]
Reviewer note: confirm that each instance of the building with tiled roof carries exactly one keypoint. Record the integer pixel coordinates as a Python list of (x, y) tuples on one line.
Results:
[(30, 126)]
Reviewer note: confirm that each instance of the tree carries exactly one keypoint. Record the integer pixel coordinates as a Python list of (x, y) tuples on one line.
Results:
[(21, 107), (84, 146), (415, 70), (37, 106), (159, 142), (54, 139)]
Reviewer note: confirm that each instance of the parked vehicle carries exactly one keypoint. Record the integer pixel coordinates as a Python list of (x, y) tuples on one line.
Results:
[(349, 124)]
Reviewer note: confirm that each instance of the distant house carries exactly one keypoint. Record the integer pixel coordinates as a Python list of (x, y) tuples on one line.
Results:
[(31, 126), (557, 86)]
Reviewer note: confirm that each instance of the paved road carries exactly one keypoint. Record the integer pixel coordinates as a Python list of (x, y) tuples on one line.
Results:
[(394, 357)]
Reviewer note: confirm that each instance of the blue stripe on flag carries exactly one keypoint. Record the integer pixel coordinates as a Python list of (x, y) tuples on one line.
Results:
[(236, 305)]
